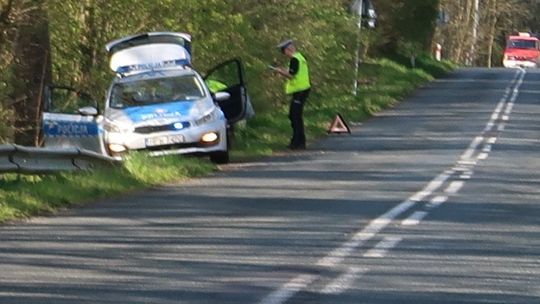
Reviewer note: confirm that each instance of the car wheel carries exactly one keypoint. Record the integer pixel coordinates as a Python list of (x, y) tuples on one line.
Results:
[(221, 157)]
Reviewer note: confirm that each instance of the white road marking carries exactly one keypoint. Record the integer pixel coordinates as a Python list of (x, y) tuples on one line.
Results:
[(288, 290), (437, 201), (487, 148), (499, 107), (465, 165), (492, 140), (483, 156), (432, 186), (382, 247), (509, 108), (335, 257), (460, 168), (414, 219), (343, 282), (467, 162), (472, 147), (454, 187)]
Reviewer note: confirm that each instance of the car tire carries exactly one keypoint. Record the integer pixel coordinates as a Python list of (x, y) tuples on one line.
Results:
[(221, 157)]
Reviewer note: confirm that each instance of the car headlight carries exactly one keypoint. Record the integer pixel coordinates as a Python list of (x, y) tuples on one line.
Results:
[(207, 118), (112, 127)]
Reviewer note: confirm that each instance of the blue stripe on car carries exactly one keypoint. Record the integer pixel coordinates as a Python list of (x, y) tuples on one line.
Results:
[(163, 110)]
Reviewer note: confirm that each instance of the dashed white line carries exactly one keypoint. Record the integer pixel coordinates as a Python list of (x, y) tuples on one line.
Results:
[(509, 108), (454, 187), (492, 140), (465, 176), (337, 255), (288, 290), (483, 156), (343, 282), (432, 186), (437, 201), (472, 147), (414, 219), (382, 247), (300, 282), (469, 162)]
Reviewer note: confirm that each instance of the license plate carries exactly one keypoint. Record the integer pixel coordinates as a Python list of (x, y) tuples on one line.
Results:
[(164, 140)]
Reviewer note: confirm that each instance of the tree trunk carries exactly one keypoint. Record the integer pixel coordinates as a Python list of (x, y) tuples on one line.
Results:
[(492, 11), (87, 44), (463, 40), (32, 71)]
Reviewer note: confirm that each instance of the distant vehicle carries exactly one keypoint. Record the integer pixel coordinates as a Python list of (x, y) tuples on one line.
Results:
[(157, 102), (522, 50)]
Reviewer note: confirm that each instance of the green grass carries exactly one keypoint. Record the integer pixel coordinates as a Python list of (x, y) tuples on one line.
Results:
[(25, 196), (383, 83)]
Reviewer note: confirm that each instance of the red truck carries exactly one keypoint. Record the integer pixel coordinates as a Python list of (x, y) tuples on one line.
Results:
[(522, 50)]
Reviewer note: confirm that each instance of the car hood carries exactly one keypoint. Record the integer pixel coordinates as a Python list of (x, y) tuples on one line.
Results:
[(160, 114)]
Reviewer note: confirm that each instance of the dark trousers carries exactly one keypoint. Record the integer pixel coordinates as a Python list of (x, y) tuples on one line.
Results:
[(296, 112)]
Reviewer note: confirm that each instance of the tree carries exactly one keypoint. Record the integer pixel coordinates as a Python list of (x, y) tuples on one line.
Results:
[(410, 22), (497, 20), (6, 20), (32, 69)]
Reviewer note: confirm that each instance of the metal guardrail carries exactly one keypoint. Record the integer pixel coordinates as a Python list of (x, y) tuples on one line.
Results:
[(34, 160)]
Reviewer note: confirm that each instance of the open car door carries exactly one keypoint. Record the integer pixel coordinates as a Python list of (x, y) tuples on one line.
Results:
[(229, 77), (71, 119)]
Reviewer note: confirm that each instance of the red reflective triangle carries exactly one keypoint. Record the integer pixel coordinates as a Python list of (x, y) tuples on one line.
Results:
[(339, 126)]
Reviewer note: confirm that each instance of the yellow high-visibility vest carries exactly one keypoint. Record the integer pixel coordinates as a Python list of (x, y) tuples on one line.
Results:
[(300, 81), (215, 86)]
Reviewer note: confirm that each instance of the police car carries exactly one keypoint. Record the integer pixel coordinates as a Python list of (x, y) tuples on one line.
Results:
[(156, 103)]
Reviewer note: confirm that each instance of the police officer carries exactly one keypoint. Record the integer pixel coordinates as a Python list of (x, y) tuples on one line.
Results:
[(298, 85)]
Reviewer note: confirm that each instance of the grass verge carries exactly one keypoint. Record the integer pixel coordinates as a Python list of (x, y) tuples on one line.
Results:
[(383, 83), (23, 196)]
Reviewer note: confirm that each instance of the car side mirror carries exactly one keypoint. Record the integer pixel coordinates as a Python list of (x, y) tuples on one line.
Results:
[(222, 96), (88, 111)]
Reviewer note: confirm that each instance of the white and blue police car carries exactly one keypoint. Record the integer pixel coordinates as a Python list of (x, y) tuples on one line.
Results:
[(157, 103)]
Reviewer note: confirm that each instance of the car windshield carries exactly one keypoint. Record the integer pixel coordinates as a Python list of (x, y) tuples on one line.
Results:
[(155, 91), (521, 44)]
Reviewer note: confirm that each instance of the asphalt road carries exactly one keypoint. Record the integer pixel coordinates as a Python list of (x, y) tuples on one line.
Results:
[(436, 200)]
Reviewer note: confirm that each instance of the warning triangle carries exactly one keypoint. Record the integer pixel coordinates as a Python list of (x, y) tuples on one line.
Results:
[(339, 126)]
